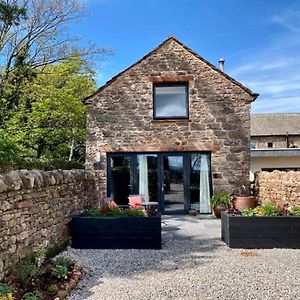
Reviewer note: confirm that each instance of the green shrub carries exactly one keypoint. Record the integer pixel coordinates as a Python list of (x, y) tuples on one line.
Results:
[(295, 211), (134, 213), (60, 272), (107, 211), (267, 210), (248, 212), (32, 296), (53, 288), (5, 290), (26, 269), (62, 261), (221, 198), (264, 210), (10, 152)]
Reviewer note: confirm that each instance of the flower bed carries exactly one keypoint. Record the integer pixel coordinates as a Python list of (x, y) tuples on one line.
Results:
[(265, 227), (112, 228), (37, 279)]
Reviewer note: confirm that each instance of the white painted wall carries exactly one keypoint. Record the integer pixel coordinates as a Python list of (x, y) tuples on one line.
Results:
[(257, 163)]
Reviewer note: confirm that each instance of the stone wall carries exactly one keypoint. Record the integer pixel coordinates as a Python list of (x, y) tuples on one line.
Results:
[(35, 207), (278, 187), (120, 115)]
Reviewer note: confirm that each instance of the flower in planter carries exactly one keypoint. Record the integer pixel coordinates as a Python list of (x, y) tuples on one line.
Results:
[(264, 210)]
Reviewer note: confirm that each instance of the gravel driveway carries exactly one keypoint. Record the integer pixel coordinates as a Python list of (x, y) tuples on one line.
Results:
[(193, 264)]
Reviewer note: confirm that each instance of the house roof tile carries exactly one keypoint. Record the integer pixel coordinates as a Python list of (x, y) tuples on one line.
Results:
[(275, 124)]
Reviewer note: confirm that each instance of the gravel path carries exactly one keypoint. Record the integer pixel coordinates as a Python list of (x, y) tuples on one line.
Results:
[(188, 269)]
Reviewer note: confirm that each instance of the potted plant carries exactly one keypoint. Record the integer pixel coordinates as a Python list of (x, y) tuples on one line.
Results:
[(220, 201), (245, 200)]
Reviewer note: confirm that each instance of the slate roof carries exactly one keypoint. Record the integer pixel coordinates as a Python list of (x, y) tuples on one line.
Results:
[(255, 95), (275, 124)]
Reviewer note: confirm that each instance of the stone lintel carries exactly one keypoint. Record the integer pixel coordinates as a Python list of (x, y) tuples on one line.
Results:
[(175, 78), (160, 148)]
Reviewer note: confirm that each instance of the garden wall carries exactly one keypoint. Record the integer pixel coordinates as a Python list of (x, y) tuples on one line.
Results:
[(35, 208), (278, 187)]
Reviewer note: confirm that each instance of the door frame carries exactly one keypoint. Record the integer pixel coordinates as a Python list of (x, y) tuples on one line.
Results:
[(186, 181), (160, 167)]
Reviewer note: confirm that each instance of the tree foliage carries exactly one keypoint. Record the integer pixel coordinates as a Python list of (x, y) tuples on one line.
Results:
[(50, 121), (44, 75)]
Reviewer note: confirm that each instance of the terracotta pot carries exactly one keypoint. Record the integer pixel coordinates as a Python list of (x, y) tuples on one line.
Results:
[(242, 203), (218, 209)]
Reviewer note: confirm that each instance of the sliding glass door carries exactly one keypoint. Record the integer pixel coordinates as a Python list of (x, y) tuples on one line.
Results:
[(177, 181), (121, 182), (173, 183), (147, 176), (200, 187)]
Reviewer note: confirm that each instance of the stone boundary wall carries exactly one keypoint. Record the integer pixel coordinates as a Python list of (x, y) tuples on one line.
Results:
[(278, 187), (35, 208)]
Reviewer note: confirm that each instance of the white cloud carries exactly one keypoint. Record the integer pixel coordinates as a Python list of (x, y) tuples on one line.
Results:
[(289, 19)]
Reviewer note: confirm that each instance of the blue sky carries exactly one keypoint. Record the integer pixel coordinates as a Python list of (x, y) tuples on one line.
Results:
[(260, 40)]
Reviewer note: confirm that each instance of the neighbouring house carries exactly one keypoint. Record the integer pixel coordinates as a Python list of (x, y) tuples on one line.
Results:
[(275, 142), (172, 127)]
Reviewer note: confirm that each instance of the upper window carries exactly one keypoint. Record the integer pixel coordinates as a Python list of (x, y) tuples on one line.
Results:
[(170, 101), (270, 144)]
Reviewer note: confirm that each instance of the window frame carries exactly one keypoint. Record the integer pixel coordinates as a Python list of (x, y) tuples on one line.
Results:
[(171, 84), (273, 144)]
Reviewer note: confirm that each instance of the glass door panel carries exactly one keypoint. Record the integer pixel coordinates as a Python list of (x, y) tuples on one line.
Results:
[(173, 183), (200, 182), (147, 176), (121, 182)]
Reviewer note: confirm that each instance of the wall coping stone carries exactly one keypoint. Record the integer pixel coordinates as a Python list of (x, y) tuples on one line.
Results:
[(30, 179)]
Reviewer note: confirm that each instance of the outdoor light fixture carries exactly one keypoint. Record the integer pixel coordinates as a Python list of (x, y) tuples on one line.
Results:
[(98, 156), (97, 164)]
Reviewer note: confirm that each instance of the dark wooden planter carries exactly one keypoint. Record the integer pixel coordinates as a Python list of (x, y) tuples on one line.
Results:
[(116, 232), (261, 232)]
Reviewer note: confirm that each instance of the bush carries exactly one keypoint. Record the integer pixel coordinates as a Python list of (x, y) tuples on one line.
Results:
[(295, 211), (107, 211), (264, 210), (10, 152), (26, 269), (5, 292), (221, 198), (53, 288), (32, 296), (61, 267), (62, 261), (60, 272)]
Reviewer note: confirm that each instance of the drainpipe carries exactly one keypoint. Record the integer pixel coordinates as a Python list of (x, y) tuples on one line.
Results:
[(221, 64), (287, 140)]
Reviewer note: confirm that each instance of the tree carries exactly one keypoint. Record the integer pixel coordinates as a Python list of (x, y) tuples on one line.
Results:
[(53, 125), (33, 35)]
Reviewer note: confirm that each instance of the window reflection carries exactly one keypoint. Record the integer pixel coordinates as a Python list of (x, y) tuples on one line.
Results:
[(200, 183), (171, 101), (147, 176), (120, 179)]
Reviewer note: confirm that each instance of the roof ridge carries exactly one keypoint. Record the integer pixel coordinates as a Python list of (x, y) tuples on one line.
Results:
[(172, 37)]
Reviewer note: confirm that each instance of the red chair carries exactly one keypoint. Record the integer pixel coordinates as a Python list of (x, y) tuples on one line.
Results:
[(134, 201)]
